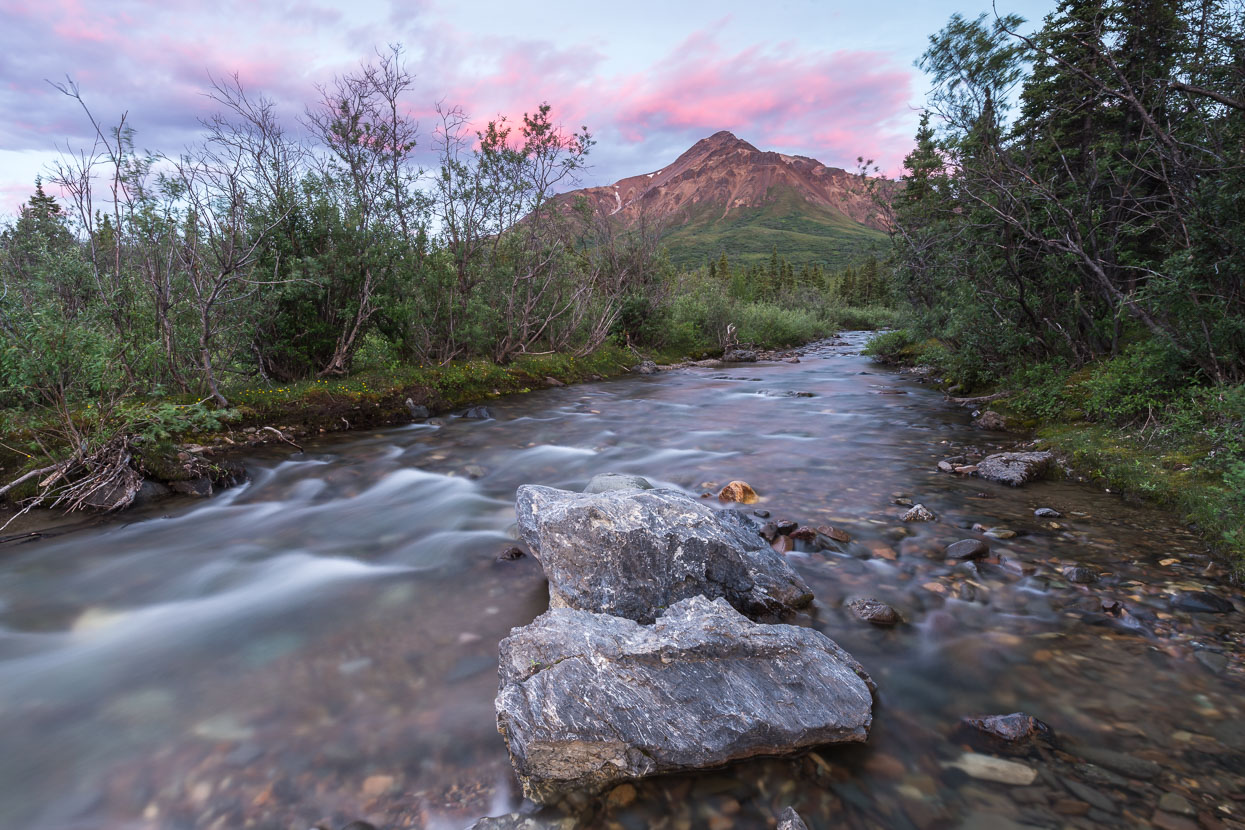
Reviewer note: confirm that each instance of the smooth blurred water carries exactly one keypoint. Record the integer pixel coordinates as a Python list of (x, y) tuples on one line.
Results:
[(320, 645)]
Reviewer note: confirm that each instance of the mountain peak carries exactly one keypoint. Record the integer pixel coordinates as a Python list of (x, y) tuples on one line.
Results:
[(722, 179)]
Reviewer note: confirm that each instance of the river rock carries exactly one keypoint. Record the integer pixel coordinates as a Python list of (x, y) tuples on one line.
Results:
[(633, 552), (874, 611), (1202, 601), (418, 412), (919, 513), (1014, 468), (1080, 575), (967, 550), (739, 356), (789, 819), (990, 420), (645, 367), (738, 491), (604, 482), (519, 821), (1047, 513), (837, 534), (1016, 728), (478, 413), (587, 700), (998, 770)]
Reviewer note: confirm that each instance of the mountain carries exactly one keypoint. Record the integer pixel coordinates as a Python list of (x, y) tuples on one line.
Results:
[(725, 195)]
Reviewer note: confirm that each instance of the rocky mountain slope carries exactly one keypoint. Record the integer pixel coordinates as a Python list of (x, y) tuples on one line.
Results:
[(725, 195)]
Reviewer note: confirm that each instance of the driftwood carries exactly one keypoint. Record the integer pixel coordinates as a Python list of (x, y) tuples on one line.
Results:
[(283, 436), (104, 479)]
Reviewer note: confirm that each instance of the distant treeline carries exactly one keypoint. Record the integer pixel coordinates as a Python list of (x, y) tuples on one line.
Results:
[(866, 284)]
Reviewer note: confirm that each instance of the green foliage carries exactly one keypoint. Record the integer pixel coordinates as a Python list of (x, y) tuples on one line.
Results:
[(801, 232)]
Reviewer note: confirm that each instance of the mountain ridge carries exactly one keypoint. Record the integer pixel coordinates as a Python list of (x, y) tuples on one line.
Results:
[(724, 192)]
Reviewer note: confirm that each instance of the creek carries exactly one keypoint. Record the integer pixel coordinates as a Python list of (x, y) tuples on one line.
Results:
[(320, 645)]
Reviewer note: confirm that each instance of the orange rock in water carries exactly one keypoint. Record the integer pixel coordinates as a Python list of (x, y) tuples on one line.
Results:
[(738, 491)]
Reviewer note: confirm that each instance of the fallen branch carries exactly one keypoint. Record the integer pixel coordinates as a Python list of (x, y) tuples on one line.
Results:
[(283, 436), (33, 473), (981, 399)]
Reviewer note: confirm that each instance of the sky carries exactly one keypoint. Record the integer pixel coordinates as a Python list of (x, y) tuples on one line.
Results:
[(827, 79)]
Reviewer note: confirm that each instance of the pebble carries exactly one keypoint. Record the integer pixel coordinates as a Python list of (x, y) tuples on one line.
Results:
[(874, 611), (1172, 803), (1080, 575), (919, 513), (1212, 660), (738, 491), (783, 544), (834, 533), (621, 796), (1123, 763), (1001, 533), (1013, 728), (1088, 794), (376, 785), (1202, 601), (1168, 821), (998, 770), (967, 549)]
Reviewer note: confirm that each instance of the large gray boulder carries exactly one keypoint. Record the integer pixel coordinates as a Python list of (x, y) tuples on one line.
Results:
[(632, 553), (1014, 468), (603, 482), (587, 700)]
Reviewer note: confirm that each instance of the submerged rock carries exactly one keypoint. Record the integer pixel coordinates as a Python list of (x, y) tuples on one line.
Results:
[(587, 700), (1202, 601), (1047, 513), (874, 611), (1014, 468), (998, 770), (967, 550), (478, 413), (1016, 728), (518, 821), (919, 513), (634, 552), (604, 482), (1080, 575), (789, 819)]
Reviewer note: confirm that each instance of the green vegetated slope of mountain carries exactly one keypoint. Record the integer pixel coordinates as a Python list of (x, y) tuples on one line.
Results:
[(801, 232), (723, 195)]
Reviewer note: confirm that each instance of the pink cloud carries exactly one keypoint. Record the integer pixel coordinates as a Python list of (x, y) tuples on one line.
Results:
[(153, 60)]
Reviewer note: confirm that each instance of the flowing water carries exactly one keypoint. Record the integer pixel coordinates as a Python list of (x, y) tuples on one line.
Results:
[(320, 645)]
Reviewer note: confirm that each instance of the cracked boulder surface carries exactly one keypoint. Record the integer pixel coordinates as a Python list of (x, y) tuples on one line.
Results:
[(633, 553), (587, 700)]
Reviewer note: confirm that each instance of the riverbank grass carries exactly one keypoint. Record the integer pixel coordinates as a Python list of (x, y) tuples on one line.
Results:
[(1134, 423)]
